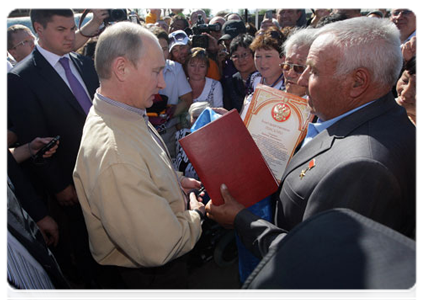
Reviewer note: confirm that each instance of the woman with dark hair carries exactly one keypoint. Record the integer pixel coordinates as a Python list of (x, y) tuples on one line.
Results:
[(406, 89), (235, 87), (268, 55)]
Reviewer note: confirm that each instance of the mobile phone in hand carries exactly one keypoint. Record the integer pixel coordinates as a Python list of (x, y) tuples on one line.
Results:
[(269, 14), (47, 147)]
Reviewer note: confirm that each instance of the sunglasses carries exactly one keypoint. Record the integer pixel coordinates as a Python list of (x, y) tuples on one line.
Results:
[(178, 37), (197, 51), (299, 69), (404, 12), (23, 43)]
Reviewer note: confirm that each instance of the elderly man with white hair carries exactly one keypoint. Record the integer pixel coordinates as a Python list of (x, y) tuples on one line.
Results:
[(359, 155), (296, 49)]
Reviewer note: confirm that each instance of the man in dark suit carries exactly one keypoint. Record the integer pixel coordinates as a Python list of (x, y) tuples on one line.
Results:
[(338, 249), (361, 152), (43, 101)]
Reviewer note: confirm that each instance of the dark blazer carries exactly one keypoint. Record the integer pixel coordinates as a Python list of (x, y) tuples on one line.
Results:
[(41, 104), (30, 201), (234, 91), (365, 162), (338, 249)]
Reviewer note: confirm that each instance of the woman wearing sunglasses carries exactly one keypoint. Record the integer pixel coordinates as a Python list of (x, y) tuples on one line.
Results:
[(267, 48), (296, 49)]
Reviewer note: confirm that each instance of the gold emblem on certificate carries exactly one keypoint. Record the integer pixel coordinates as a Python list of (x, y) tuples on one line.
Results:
[(278, 122), (281, 112)]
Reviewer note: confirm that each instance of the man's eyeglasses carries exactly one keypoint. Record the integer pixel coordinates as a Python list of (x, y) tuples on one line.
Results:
[(299, 69), (405, 12), (241, 56), (23, 43)]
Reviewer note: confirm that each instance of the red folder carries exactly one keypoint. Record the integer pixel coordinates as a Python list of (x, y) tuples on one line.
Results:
[(223, 151)]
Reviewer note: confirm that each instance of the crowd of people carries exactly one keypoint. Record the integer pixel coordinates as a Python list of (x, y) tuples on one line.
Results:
[(113, 203)]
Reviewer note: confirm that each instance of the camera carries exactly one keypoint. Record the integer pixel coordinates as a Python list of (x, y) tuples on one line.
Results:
[(116, 15), (199, 40)]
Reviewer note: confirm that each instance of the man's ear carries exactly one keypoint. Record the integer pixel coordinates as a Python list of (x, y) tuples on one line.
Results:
[(120, 68), (38, 28), (360, 82)]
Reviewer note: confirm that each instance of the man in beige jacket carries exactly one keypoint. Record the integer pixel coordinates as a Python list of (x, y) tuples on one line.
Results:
[(134, 203)]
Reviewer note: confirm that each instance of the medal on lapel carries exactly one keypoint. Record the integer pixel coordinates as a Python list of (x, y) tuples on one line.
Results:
[(311, 165)]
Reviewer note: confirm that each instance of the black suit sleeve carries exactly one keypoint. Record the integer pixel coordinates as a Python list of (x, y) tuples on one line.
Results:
[(28, 120), (24, 190), (257, 234)]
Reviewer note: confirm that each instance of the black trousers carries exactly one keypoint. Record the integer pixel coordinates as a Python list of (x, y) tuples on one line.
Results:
[(173, 275)]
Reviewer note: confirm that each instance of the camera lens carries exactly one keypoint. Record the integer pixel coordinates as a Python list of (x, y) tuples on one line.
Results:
[(118, 14), (215, 27)]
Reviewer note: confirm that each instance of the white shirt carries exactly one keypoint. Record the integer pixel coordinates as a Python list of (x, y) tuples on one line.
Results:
[(176, 82), (9, 66), (409, 38), (28, 57), (212, 93), (53, 60), (177, 85)]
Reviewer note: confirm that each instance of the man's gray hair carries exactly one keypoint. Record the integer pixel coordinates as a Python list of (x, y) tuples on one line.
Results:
[(370, 43), (123, 39), (300, 37), (12, 30)]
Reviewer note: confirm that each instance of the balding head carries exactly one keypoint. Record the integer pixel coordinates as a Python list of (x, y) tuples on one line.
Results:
[(123, 39)]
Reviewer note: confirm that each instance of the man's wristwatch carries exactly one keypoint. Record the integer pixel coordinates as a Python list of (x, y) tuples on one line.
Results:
[(200, 213)]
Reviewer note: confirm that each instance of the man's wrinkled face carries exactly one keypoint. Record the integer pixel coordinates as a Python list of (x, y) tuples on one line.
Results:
[(325, 89), (405, 20), (149, 72)]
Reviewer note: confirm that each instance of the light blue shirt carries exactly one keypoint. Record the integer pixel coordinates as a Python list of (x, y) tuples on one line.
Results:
[(409, 38), (315, 128)]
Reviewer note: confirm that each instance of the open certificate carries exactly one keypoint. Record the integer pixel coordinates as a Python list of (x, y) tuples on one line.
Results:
[(278, 122)]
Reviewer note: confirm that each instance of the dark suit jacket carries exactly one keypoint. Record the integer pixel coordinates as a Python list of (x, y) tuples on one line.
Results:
[(41, 104), (338, 249), (364, 162), (234, 91), (30, 201)]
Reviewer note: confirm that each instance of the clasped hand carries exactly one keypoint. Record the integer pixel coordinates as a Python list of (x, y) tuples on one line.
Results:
[(224, 214)]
